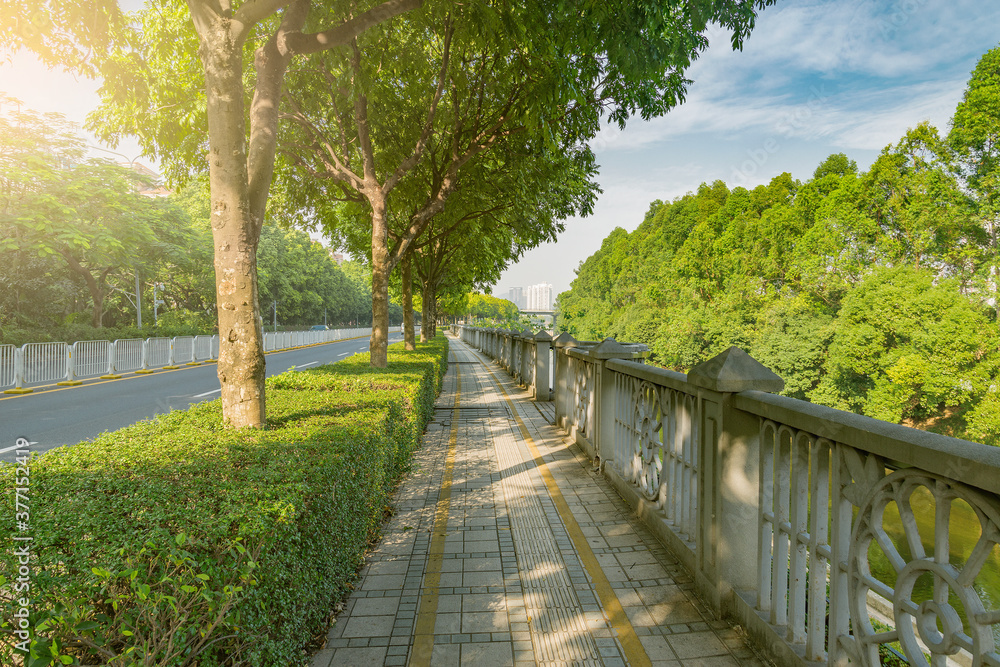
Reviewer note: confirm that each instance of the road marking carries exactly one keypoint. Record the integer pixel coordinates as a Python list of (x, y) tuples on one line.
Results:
[(344, 354), (423, 634), (4, 451), (207, 393)]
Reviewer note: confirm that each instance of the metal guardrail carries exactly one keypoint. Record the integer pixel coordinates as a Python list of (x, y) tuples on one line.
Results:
[(35, 363), (182, 350), (203, 348), (45, 362), (89, 358), (127, 355), (157, 352), (9, 357)]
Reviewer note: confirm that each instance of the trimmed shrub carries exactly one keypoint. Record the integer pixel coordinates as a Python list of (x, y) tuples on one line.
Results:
[(180, 542)]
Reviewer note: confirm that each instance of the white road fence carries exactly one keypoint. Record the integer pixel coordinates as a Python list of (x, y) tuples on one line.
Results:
[(35, 363), (157, 353), (127, 355), (89, 358), (44, 362)]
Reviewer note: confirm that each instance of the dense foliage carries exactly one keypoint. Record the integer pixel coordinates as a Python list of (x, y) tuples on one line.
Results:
[(867, 291), (75, 231), (179, 541), (483, 310)]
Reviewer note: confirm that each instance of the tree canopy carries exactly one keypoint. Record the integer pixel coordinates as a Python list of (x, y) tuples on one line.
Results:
[(868, 291)]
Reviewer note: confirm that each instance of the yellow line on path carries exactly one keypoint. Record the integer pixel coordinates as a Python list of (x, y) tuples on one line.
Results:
[(635, 653), (423, 641)]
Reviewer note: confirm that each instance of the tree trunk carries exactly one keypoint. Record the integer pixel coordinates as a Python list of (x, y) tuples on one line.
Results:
[(94, 286), (428, 328), (409, 341), (235, 231), (426, 324), (434, 315), (379, 343)]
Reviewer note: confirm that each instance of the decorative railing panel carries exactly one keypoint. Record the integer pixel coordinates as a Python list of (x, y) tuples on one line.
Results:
[(583, 395), (794, 527), (657, 430)]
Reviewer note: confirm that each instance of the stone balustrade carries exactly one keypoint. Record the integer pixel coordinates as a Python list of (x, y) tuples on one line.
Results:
[(832, 537)]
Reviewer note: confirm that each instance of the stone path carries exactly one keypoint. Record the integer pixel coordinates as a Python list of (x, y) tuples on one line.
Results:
[(507, 549)]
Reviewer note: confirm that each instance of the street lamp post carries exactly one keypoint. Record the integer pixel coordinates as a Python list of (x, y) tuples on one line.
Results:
[(138, 302)]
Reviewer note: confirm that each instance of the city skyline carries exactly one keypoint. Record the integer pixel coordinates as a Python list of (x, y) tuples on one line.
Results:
[(532, 297)]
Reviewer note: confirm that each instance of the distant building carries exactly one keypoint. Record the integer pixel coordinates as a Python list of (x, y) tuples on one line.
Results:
[(516, 296), (539, 297)]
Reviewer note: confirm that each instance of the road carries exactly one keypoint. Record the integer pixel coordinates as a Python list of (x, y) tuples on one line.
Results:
[(54, 416)]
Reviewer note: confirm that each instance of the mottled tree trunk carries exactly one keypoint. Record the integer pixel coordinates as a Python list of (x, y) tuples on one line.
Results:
[(235, 232), (428, 328), (379, 343), (426, 324), (434, 315), (409, 341)]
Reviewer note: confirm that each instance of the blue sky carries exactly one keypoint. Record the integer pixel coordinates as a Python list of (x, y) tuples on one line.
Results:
[(816, 77)]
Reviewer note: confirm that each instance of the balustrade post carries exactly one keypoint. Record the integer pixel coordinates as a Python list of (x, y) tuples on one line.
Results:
[(508, 349), (563, 383), (543, 345), (728, 482), (524, 340)]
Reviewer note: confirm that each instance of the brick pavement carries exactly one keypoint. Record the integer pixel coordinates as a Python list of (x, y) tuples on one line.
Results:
[(506, 548)]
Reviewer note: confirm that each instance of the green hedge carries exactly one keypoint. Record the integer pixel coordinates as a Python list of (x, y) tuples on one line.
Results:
[(179, 542)]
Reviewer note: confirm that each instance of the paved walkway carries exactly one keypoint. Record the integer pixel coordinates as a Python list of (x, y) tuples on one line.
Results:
[(507, 549)]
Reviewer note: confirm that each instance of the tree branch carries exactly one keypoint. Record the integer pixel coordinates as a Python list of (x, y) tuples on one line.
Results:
[(418, 150), (300, 43), (254, 11)]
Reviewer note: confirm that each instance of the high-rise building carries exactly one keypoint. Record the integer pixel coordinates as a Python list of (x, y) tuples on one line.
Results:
[(516, 296), (534, 297), (539, 297)]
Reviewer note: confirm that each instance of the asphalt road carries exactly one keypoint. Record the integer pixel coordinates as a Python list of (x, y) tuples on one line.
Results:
[(54, 416)]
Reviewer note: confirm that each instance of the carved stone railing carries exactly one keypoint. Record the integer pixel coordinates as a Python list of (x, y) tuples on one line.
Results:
[(832, 537)]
